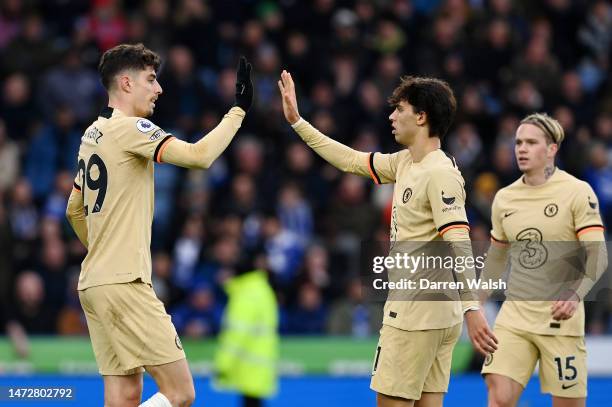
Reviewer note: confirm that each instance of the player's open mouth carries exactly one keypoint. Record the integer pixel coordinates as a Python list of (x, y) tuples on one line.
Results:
[(523, 160)]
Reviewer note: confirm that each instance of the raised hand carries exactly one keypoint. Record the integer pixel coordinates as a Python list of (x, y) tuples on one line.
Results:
[(287, 90), (244, 85)]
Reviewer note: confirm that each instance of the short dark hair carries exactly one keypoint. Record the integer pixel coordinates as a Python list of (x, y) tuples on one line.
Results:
[(429, 95), (126, 56)]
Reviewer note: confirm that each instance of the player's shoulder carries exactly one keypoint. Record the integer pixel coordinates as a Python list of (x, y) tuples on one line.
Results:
[(506, 193), (514, 187), (572, 182), (403, 156), (138, 126), (134, 123), (443, 165)]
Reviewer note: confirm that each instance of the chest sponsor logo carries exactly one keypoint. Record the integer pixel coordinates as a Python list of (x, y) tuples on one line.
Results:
[(144, 125), (533, 253), (593, 205), (406, 195), (551, 210), (448, 200)]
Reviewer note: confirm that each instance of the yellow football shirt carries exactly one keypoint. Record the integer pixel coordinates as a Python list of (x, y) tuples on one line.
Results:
[(540, 223), (115, 178), (428, 200)]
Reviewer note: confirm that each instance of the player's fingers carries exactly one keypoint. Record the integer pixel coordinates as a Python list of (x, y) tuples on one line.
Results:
[(489, 341), (489, 334), (280, 86), (486, 348), (290, 80)]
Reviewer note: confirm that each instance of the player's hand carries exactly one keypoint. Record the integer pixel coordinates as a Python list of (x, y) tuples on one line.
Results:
[(482, 337), (287, 90), (244, 85), (565, 307)]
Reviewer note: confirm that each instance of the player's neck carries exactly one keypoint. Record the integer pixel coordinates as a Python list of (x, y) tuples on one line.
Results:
[(539, 176), (422, 146), (121, 104)]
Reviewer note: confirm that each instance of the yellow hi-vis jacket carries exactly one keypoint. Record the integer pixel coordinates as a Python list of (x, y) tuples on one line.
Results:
[(247, 352)]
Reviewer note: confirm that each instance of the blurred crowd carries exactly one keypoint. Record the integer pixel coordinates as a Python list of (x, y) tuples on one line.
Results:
[(269, 195)]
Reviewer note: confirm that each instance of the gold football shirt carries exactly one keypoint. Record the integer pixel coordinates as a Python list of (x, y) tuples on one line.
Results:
[(428, 201), (540, 223), (115, 178)]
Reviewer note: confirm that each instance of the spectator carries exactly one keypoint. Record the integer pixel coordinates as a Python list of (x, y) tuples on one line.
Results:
[(31, 51), (9, 160), (17, 107), (599, 176), (295, 213), (165, 289), (200, 317), (354, 315), (29, 308), (308, 315), (283, 249), (85, 94), (187, 252), (23, 218)]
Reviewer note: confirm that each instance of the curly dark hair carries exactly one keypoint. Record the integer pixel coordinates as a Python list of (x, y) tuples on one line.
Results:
[(430, 95), (126, 56)]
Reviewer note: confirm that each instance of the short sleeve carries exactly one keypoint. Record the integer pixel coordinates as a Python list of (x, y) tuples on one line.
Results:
[(143, 138), (383, 167), (585, 210), (446, 194), (497, 231)]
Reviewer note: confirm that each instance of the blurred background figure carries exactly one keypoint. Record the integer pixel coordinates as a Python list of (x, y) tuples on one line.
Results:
[(248, 348)]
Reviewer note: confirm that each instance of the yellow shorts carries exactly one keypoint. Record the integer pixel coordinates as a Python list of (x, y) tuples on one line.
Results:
[(408, 363), (129, 328), (562, 360)]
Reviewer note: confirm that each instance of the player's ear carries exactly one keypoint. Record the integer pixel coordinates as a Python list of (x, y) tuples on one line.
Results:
[(124, 82), (552, 149), (421, 118)]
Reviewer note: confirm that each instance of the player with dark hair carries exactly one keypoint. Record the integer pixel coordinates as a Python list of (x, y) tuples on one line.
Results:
[(111, 211), (413, 357)]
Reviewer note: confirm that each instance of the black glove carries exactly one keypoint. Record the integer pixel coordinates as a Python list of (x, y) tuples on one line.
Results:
[(244, 86)]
